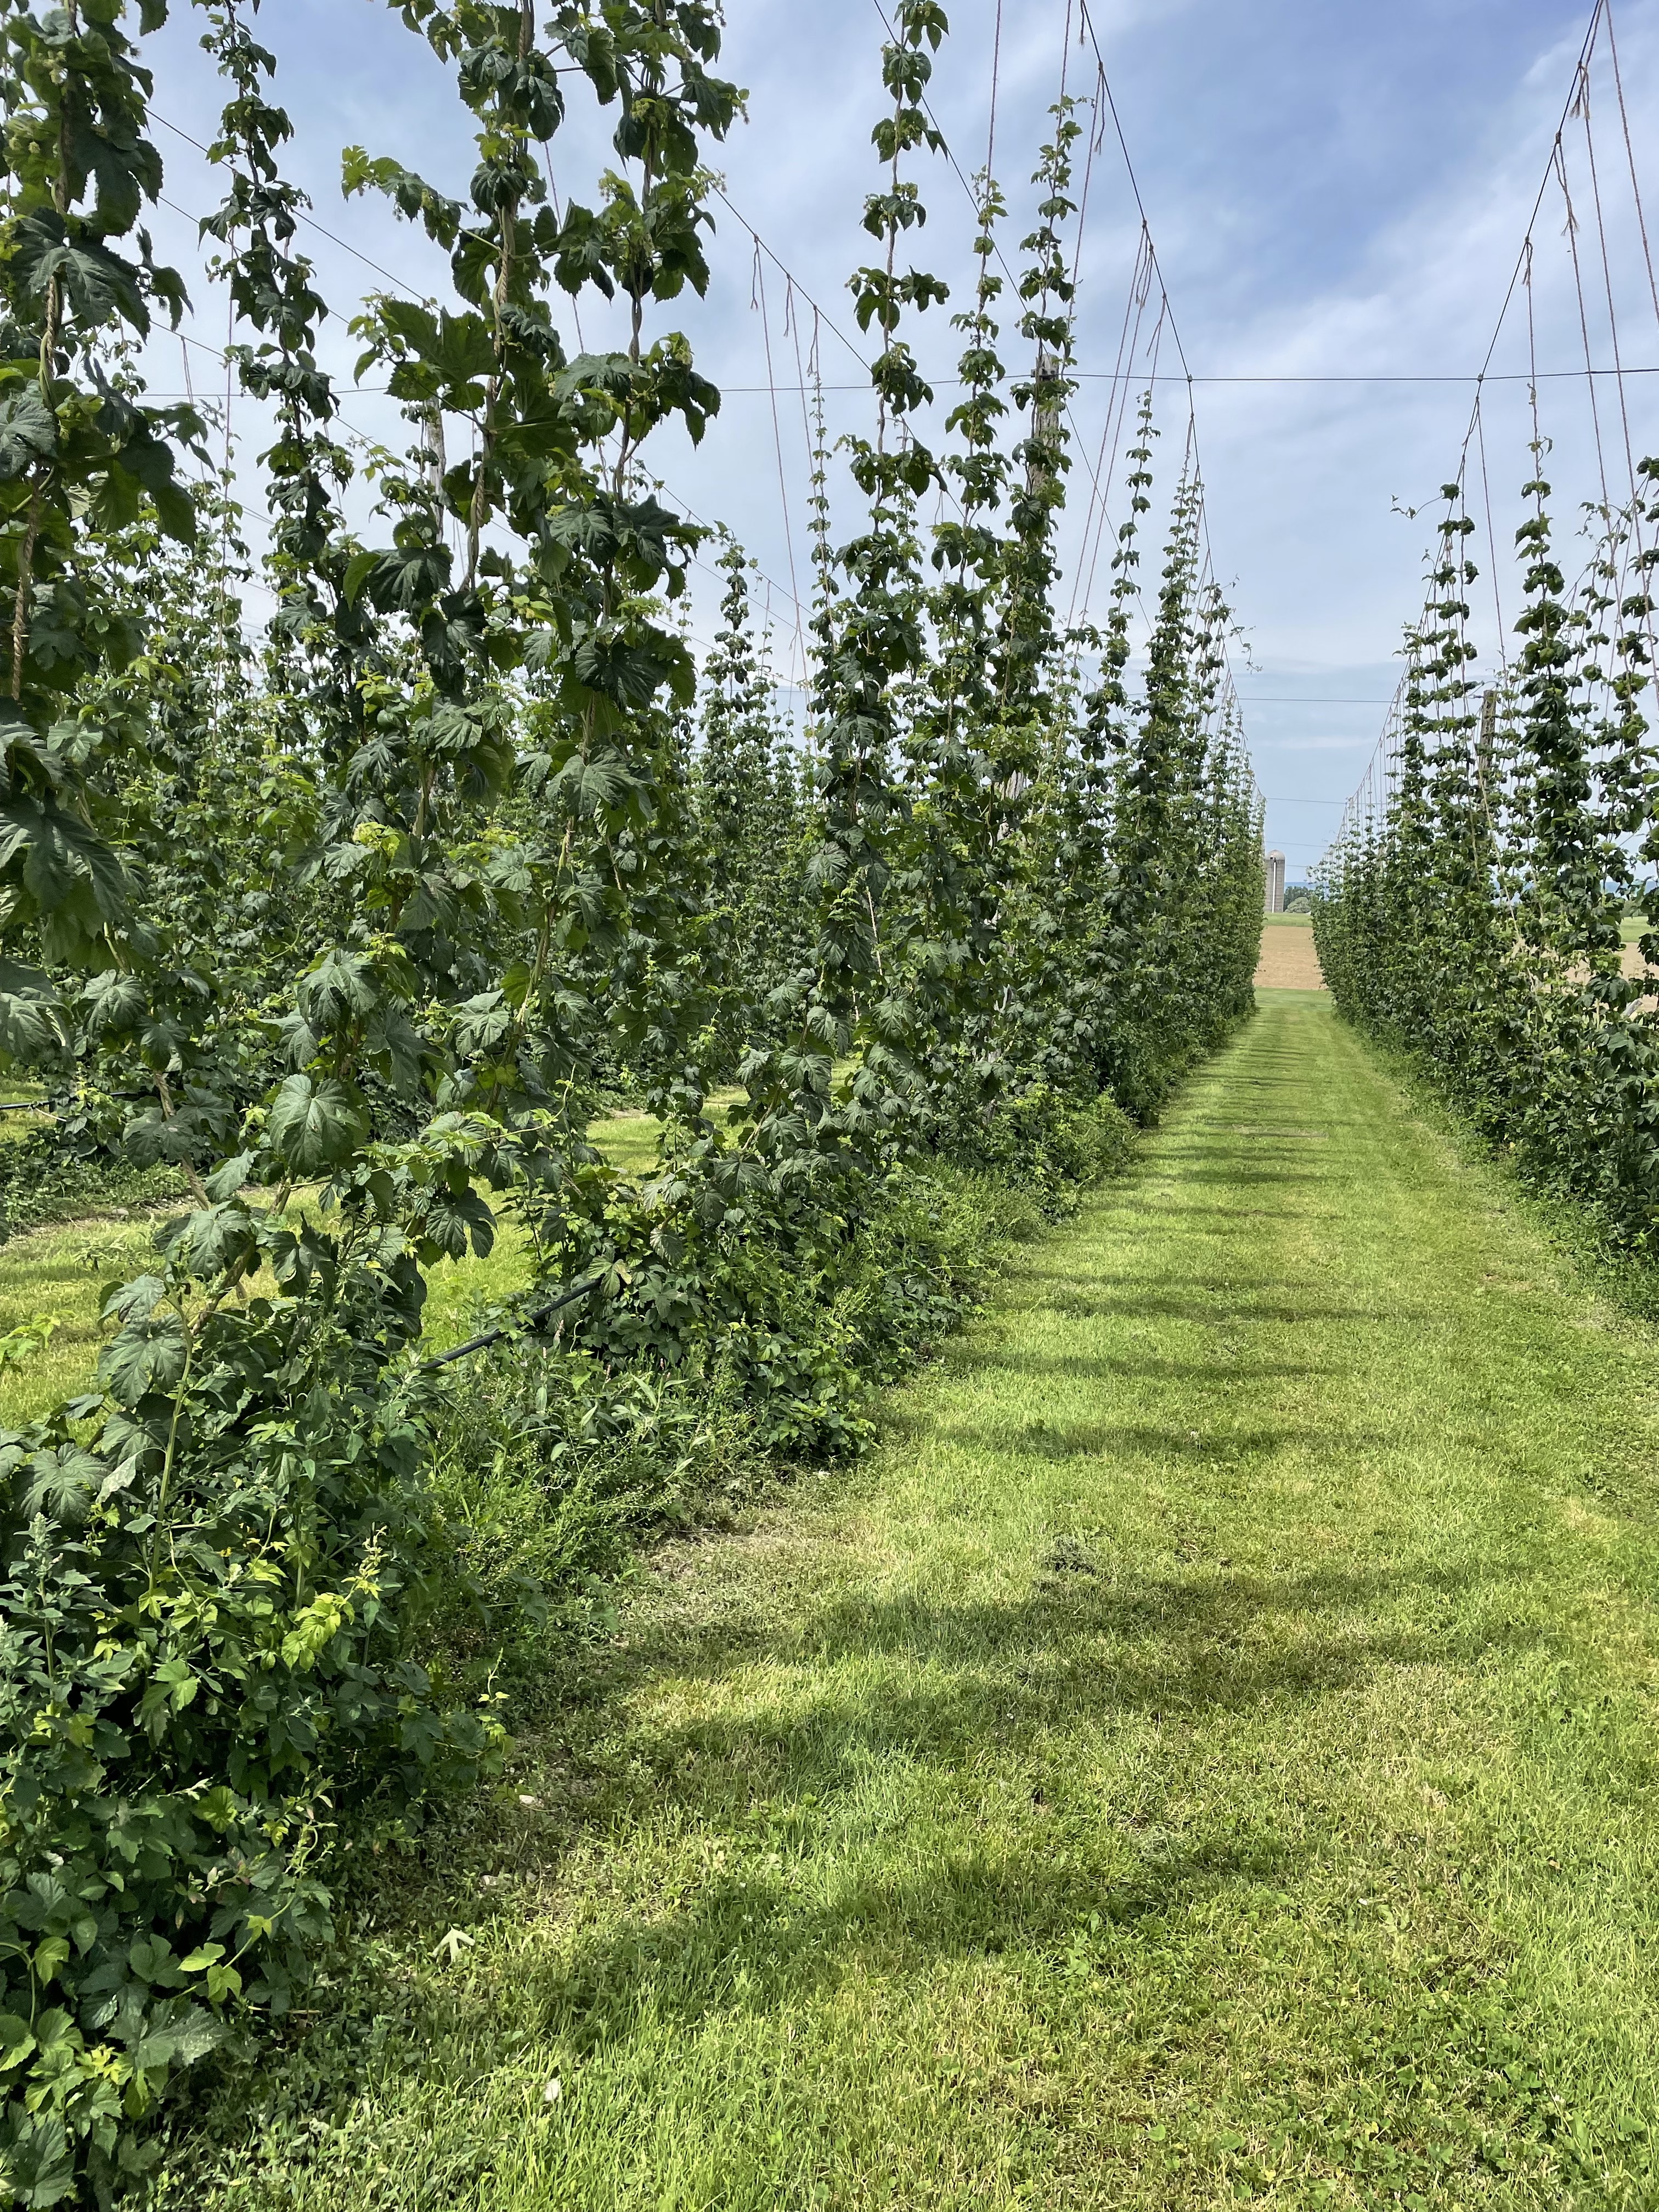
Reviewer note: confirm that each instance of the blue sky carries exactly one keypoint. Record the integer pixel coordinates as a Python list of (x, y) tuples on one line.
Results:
[(1333, 189)]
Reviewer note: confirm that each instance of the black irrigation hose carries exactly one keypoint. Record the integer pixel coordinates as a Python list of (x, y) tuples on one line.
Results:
[(531, 1320)]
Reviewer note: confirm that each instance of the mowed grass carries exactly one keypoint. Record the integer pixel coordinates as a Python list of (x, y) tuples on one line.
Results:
[(57, 1274), (1206, 1759)]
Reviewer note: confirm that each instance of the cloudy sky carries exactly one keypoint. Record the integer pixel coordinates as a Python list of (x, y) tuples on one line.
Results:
[(1337, 193)]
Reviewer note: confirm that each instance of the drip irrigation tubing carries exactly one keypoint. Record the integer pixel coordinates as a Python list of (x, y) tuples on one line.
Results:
[(527, 1326)]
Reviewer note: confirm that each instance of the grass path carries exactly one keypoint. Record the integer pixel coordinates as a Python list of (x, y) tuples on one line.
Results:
[(1206, 1759)]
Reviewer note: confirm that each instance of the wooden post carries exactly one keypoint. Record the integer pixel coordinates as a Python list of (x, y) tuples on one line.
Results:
[(1486, 753)]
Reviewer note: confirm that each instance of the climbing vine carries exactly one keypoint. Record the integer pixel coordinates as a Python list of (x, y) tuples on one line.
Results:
[(1477, 916), (349, 922)]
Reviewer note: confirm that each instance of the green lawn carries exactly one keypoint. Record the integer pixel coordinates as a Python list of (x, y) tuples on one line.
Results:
[(17, 1094), (56, 1274), (1206, 1759)]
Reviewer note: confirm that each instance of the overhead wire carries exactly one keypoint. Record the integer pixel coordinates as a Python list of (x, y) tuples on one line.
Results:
[(1629, 155), (407, 290), (1521, 284), (1560, 164), (1117, 410), (1088, 27), (1348, 376), (301, 214), (777, 441), (1635, 562), (1117, 378), (1129, 169), (945, 148)]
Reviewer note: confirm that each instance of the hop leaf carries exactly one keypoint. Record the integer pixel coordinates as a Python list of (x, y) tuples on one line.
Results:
[(314, 1125), (147, 1355), (32, 1023)]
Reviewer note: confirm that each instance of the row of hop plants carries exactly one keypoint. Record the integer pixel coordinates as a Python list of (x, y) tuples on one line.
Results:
[(1477, 917), (351, 934)]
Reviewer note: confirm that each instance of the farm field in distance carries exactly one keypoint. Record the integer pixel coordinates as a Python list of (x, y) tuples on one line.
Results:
[(1287, 961)]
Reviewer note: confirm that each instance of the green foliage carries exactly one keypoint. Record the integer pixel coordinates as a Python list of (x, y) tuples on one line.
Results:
[(215, 1564), (750, 807), (557, 1458), (374, 910), (201, 1658), (1065, 1815), (18, 1345), (1478, 922), (45, 1178), (1053, 1147), (79, 459)]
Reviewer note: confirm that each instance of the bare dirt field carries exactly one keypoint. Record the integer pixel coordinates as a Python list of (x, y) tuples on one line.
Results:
[(1288, 961)]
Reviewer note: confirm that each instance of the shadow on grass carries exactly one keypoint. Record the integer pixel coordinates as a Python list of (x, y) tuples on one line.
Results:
[(759, 1738), (1246, 1217), (748, 1944), (904, 1686), (1217, 1307), (1178, 1212), (762, 1744), (1216, 1378), (1118, 1440), (1254, 1175)]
